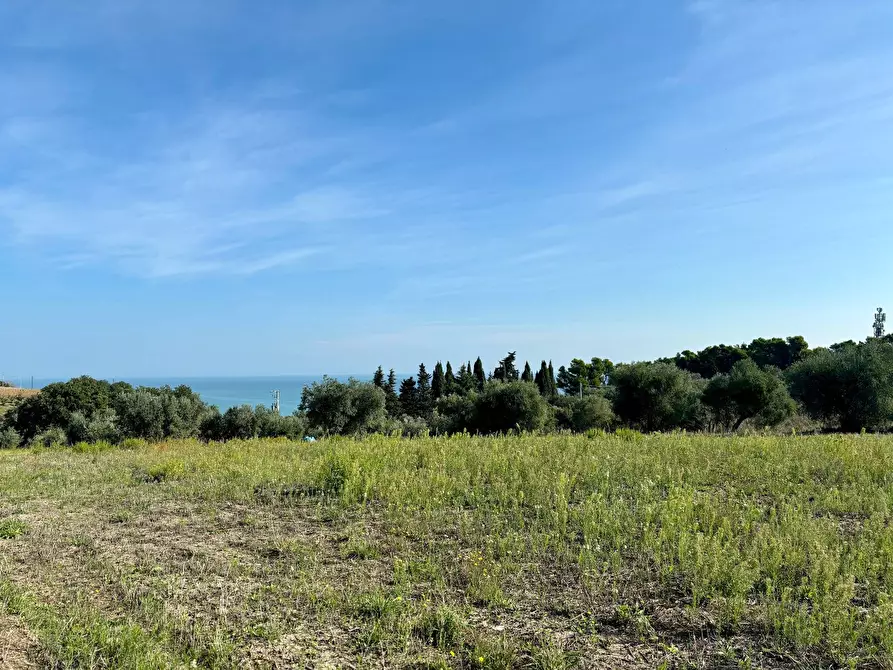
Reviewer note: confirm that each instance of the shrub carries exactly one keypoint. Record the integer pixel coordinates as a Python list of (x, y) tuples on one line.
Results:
[(92, 447), (583, 414), (160, 472), (101, 427), (849, 388), (239, 423), (410, 426), (9, 439), (271, 424), (141, 414), (51, 437), (56, 403), (502, 407), (353, 408), (133, 443), (657, 396), (455, 414), (212, 426), (745, 393)]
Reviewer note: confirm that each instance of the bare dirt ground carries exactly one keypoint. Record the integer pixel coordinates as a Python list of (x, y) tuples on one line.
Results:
[(18, 648)]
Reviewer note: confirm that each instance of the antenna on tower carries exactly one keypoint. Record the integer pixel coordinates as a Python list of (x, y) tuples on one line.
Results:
[(879, 320), (275, 395)]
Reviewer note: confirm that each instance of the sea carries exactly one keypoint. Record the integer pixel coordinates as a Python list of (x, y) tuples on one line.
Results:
[(226, 392)]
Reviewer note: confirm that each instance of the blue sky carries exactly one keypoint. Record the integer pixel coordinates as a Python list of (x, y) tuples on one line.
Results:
[(197, 188)]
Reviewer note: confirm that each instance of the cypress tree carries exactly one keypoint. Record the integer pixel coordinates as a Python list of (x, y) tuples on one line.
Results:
[(553, 387), (527, 375), (479, 374), (449, 380), (466, 382), (423, 392), (506, 370), (378, 378), (409, 397), (392, 402), (438, 382), (542, 380)]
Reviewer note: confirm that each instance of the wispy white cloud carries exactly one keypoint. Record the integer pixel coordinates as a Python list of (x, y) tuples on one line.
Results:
[(774, 98), (249, 178)]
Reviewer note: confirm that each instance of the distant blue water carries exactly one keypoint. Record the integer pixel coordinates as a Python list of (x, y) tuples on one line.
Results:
[(226, 392)]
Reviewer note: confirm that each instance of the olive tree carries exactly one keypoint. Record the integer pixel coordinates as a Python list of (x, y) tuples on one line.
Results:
[(848, 388), (339, 408), (748, 392), (656, 396)]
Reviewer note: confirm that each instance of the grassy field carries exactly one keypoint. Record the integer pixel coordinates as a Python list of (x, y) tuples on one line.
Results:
[(527, 552), (13, 392)]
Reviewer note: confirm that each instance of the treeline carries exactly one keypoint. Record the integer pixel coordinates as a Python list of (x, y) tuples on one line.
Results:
[(845, 387), (93, 410)]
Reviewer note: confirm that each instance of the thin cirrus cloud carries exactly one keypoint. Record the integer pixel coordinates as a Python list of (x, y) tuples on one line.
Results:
[(242, 178)]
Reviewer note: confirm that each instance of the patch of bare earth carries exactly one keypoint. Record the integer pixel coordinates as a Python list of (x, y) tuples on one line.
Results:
[(18, 648), (278, 582)]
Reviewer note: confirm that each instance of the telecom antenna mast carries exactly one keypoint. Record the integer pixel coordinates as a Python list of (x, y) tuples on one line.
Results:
[(879, 320), (276, 396)]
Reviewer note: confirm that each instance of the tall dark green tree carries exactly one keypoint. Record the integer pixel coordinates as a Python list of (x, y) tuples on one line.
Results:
[(714, 360), (553, 387), (449, 380), (409, 397), (378, 378), (438, 382), (479, 375), (541, 379), (580, 375), (424, 397), (777, 352), (506, 370), (527, 375), (466, 382), (392, 401)]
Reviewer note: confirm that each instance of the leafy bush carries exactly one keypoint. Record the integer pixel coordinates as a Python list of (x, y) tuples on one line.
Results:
[(271, 424), (337, 408), (92, 447), (141, 414), (454, 414), (748, 392), (583, 414), (239, 423), (409, 426), (55, 404), (850, 387), (51, 437), (502, 407), (160, 472), (9, 439), (133, 443), (102, 427), (657, 396)]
